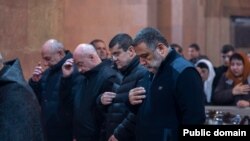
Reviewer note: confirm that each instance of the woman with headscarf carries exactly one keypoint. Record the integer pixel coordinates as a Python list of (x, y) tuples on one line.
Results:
[(234, 88), (206, 70)]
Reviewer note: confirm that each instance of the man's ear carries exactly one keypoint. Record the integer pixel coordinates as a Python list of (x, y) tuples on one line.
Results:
[(131, 51), (161, 49)]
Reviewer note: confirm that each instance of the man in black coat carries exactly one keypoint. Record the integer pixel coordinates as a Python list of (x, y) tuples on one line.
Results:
[(175, 97), (226, 52), (19, 109), (120, 122), (46, 85), (98, 77)]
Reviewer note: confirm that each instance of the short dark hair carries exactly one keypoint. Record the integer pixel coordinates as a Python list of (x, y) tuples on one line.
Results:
[(227, 48), (236, 56), (195, 46), (123, 40), (93, 42), (174, 45), (150, 36), (202, 65)]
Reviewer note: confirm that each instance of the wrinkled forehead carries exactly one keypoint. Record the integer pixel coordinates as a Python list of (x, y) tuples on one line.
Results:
[(47, 50), (79, 56), (142, 48)]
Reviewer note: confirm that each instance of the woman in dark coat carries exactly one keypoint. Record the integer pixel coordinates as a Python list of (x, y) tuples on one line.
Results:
[(233, 87)]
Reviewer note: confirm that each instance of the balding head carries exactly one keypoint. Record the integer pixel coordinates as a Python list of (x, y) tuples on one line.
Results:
[(86, 57), (85, 49), (53, 44), (1, 61), (52, 52)]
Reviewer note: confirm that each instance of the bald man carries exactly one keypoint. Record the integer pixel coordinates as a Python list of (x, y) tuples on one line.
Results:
[(19, 109), (97, 78), (45, 82)]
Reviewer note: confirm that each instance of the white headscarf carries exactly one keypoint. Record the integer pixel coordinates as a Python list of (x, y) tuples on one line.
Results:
[(209, 82)]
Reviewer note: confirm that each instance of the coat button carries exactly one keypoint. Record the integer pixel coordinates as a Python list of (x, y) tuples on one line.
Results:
[(160, 88)]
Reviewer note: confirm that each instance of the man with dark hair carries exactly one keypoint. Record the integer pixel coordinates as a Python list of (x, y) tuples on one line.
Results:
[(172, 100), (45, 84), (19, 109), (120, 122), (226, 52), (177, 48), (194, 53), (227, 48)]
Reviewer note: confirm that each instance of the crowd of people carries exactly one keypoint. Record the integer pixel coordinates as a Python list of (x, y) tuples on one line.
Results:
[(227, 84), (136, 89)]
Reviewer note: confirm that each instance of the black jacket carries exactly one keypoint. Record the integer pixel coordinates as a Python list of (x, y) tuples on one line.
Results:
[(119, 120), (20, 118), (219, 71), (175, 98), (57, 127), (85, 89), (224, 92)]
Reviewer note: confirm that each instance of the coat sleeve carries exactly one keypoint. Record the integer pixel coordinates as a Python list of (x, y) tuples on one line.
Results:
[(145, 82), (100, 106), (223, 94), (126, 128), (68, 87), (190, 97), (111, 84), (66, 97), (19, 114), (36, 86)]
